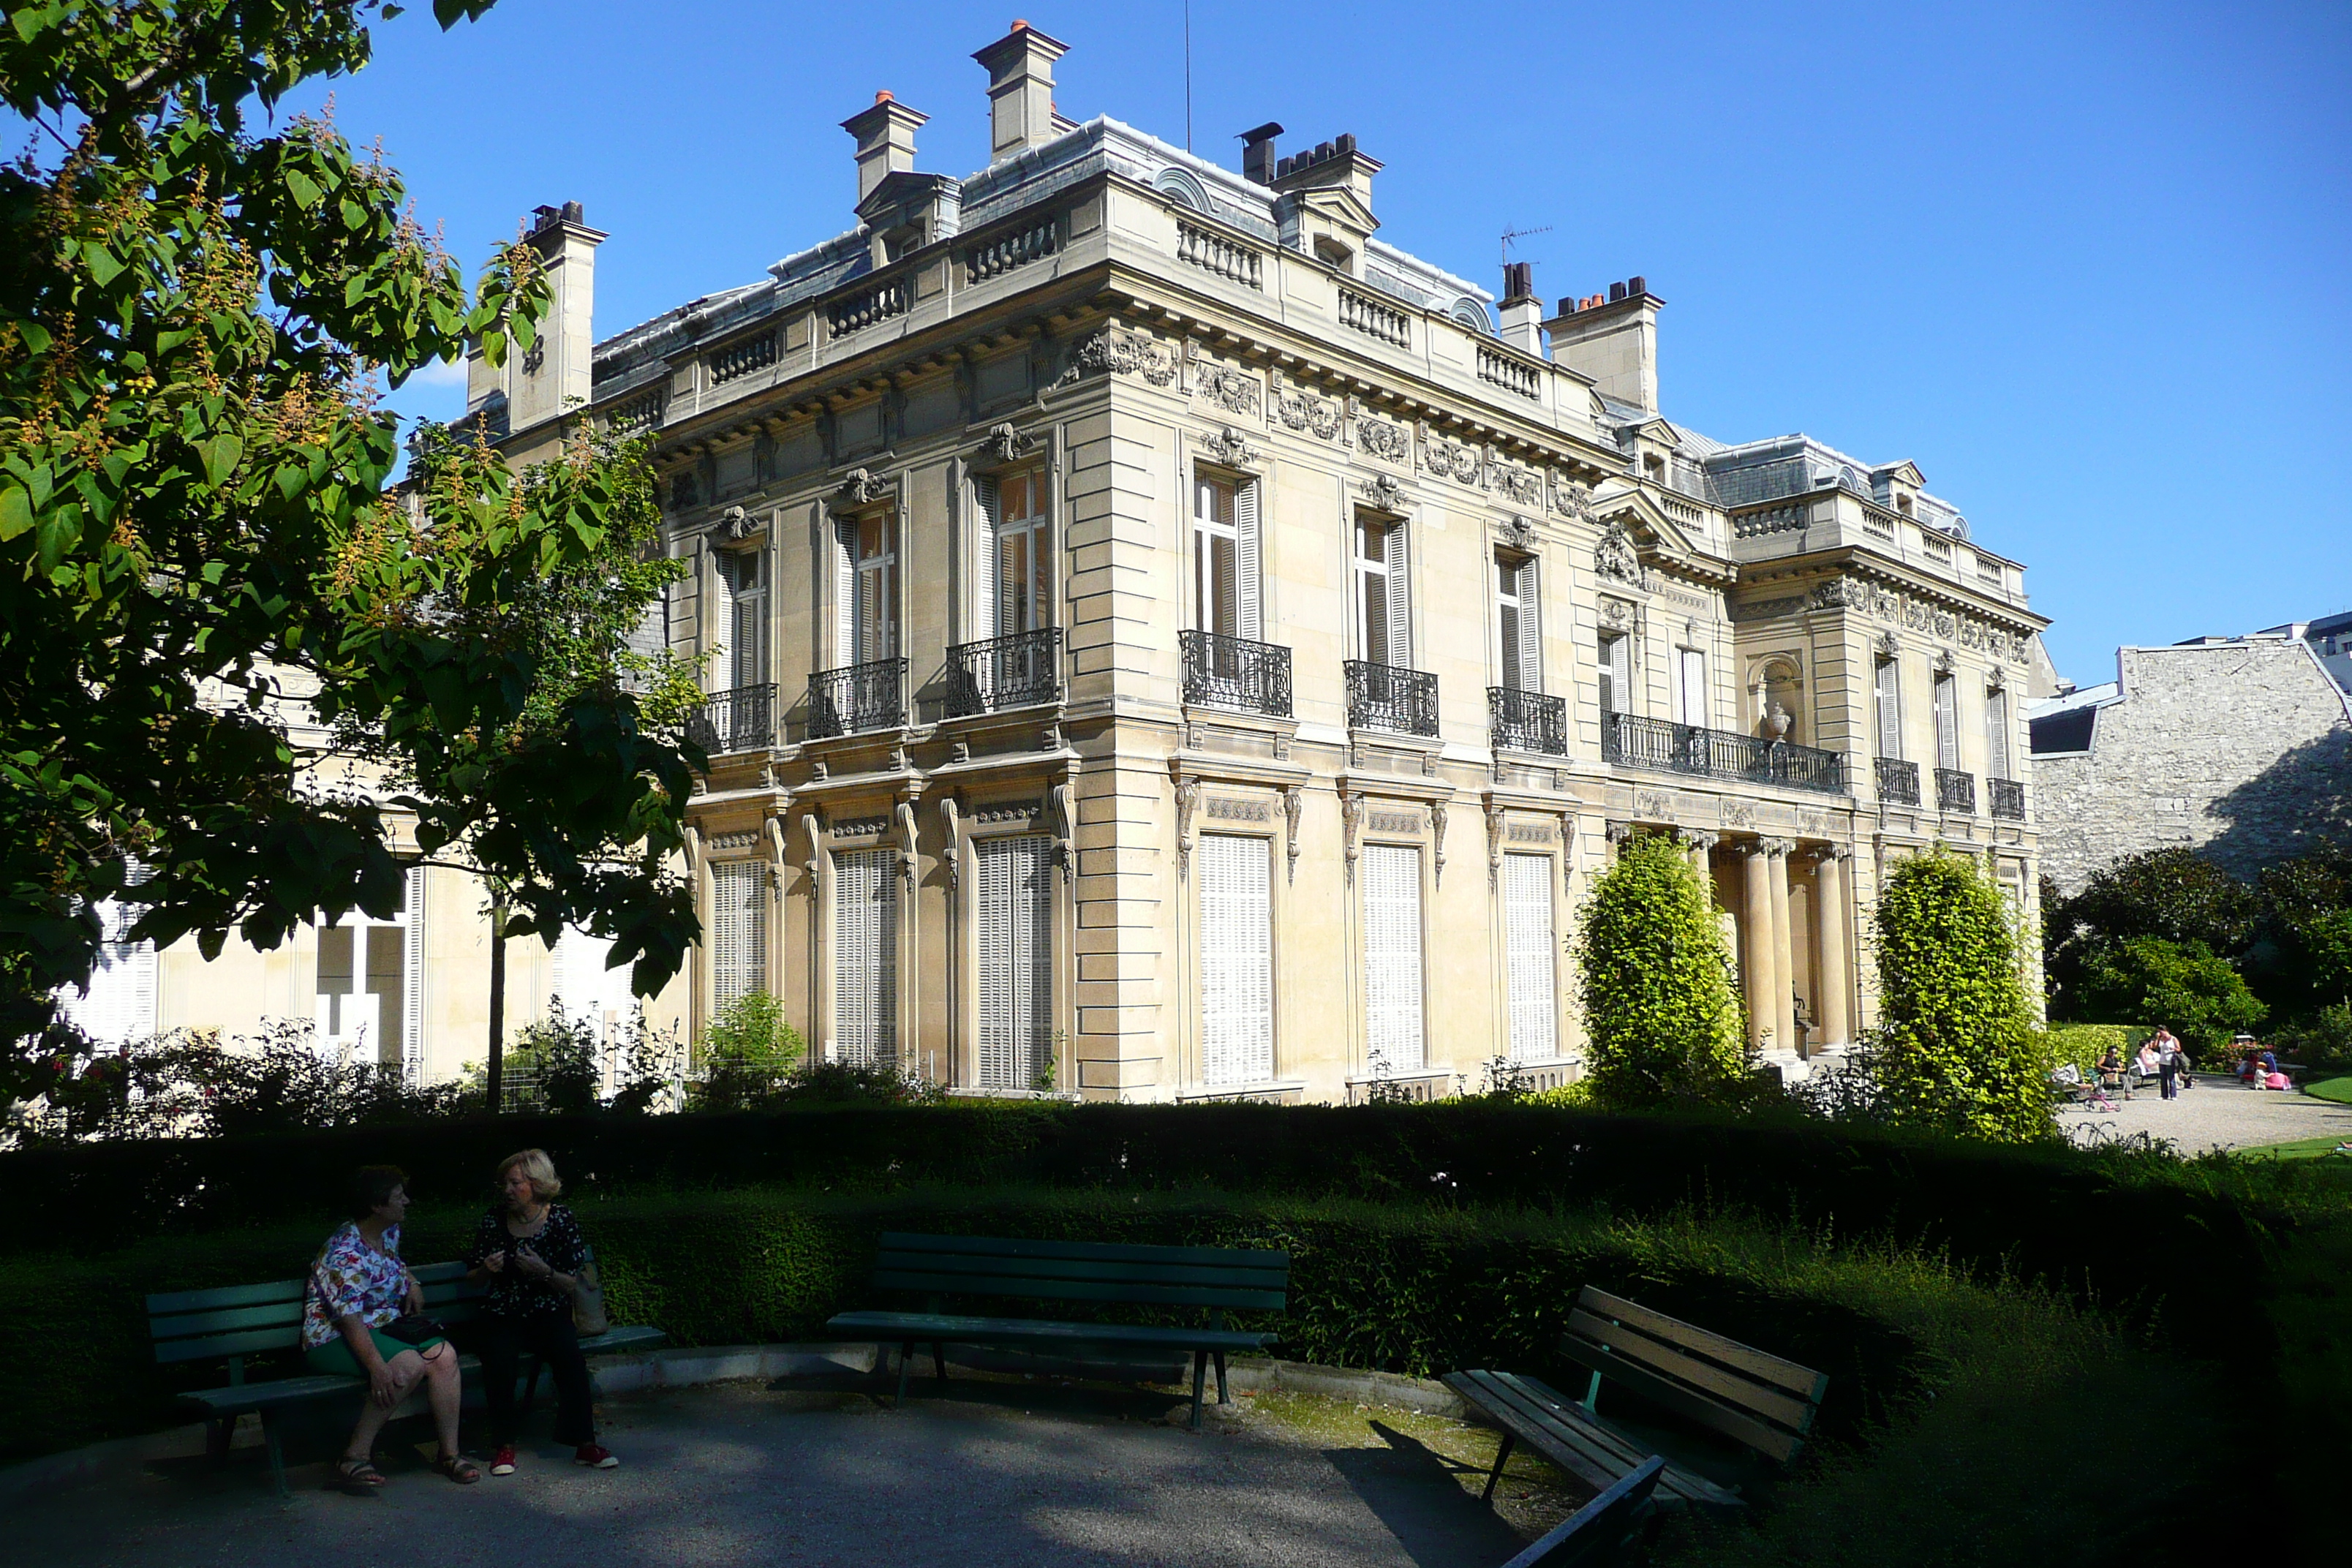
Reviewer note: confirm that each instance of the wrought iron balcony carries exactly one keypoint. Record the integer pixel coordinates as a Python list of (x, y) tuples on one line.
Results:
[(1898, 782), (744, 720), (1234, 672), (1012, 671), (1956, 791), (2007, 798), (1628, 742), (1383, 696), (1526, 721), (856, 697)]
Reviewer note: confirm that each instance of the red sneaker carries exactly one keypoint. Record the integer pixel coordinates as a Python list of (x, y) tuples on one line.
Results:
[(502, 1462), (595, 1455)]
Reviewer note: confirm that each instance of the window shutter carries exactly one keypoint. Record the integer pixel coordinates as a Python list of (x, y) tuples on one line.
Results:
[(844, 593), (1690, 687), (412, 1044), (739, 948), (1400, 627), (1528, 949), (1947, 724), (1236, 884), (748, 617), (866, 957), (1017, 996), (1617, 674), (1530, 630), (1391, 874), (1890, 709), (992, 556), (1997, 734), (1249, 620)]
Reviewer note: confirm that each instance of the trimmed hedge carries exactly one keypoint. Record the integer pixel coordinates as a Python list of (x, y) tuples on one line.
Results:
[(1415, 1290), (2034, 1211)]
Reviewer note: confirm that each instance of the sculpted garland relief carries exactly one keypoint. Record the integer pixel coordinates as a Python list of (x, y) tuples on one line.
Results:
[(1304, 411), (1127, 353), (1915, 614), (1382, 438), (1235, 390), (1456, 461)]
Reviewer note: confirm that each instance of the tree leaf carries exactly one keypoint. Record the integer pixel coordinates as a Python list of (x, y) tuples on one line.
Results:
[(220, 454)]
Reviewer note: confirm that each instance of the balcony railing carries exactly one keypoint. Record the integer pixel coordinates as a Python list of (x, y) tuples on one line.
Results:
[(1383, 696), (1234, 672), (1012, 671), (1634, 742), (1526, 721), (857, 698), (1956, 791), (744, 720), (2007, 798), (1898, 782)]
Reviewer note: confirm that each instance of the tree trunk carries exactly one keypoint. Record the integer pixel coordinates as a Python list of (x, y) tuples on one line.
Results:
[(496, 1075)]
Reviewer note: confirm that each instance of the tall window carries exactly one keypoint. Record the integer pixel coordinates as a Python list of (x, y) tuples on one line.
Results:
[(1225, 556), (1391, 874), (1886, 689), (118, 1008), (739, 929), (1616, 672), (1690, 687), (1997, 736), (1515, 612), (1529, 947), (868, 599), (1948, 721), (1383, 617), (1236, 883), (1016, 960), (743, 579), (866, 957), (1019, 582), (363, 988)]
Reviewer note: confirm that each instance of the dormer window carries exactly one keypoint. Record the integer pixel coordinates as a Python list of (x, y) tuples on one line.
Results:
[(1331, 253), (1903, 504)]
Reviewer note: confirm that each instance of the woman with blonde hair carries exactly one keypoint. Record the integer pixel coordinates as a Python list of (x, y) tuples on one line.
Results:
[(529, 1250)]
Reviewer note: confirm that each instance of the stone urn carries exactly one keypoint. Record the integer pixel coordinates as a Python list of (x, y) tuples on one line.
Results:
[(1776, 724)]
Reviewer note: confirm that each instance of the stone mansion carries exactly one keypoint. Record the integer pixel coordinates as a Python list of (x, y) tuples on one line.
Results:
[(1164, 641)]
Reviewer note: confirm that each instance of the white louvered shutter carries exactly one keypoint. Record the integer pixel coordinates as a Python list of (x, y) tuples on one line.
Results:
[(1529, 947), (739, 933), (1530, 630), (1617, 674), (1249, 618), (844, 594), (1016, 960), (991, 620), (1236, 882), (412, 1044), (1996, 735), (1400, 625), (1391, 874), (1890, 709), (748, 617), (866, 957), (1948, 723)]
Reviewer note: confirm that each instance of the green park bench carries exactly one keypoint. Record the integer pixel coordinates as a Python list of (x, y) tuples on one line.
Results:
[(1759, 1400), (238, 1321), (1601, 1531), (1216, 1280)]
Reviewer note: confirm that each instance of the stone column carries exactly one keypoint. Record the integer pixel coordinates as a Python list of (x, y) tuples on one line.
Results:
[(1784, 964), (1832, 1007), (1759, 979), (1696, 842)]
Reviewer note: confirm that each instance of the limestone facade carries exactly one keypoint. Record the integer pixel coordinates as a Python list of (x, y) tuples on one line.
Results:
[(1166, 642), (2240, 747)]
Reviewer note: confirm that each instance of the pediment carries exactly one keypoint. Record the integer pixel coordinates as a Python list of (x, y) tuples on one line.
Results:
[(1906, 473), (1340, 206), (1652, 531)]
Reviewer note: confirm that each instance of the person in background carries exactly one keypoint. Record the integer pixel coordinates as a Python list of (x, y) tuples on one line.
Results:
[(357, 1289), (2147, 1058), (2167, 1062), (529, 1250)]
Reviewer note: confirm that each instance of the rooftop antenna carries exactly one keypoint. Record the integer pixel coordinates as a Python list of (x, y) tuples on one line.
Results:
[(1188, 75), (1511, 234)]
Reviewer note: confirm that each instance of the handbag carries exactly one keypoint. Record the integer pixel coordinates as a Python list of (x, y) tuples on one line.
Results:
[(588, 1319), (414, 1328)]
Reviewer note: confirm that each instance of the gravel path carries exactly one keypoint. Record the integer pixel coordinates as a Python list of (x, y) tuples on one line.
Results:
[(737, 1474), (2218, 1114)]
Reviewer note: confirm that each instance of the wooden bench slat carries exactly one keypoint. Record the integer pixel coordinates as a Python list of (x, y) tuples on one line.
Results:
[(1083, 1291), (1016, 1247), (1572, 1437), (190, 1325), (1628, 1344), (1802, 1381), (224, 1296), (251, 1342), (991, 1266), (945, 1328), (1766, 1440)]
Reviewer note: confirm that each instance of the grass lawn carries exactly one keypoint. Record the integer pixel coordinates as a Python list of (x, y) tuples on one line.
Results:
[(2300, 1148), (2338, 1089)]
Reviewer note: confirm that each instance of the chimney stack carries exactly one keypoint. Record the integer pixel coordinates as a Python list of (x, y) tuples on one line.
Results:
[(556, 375), (1020, 68), (1257, 153), (885, 140), (1521, 311), (1613, 340)]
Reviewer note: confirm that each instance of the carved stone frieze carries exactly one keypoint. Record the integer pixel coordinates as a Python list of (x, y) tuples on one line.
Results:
[(1304, 411), (1521, 486), (1572, 497), (1383, 438), (1221, 809), (1614, 557), (1457, 461), (1123, 354), (1235, 390), (1912, 612), (1618, 615)]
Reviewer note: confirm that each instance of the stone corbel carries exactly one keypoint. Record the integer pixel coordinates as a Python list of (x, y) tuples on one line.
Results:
[(906, 815), (1384, 491), (815, 823), (693, 850), (1620, 833), (1231, 447), (1187, 795), (947, 839), (1567, 852), (735, 525), (1008, 444), (862, 487), (774, 827), (1493, 845), (1438, 838), (1060, 802), (1351, 828), (1294, 807)]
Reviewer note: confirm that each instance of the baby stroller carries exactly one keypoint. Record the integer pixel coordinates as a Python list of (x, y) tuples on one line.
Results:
[(2069, 1085)]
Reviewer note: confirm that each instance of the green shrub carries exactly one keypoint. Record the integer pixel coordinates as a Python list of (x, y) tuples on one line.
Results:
[(2182, 987), (2323, 1039), (1662, 1017), (2081, 1046), (748, 1052), (1955, 1049)]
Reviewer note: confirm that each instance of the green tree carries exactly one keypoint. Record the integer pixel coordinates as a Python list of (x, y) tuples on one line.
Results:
[(1955, 1048), (195, 536), (2174, 894), (748, 1052), (2182, 986), (1662, 1017)]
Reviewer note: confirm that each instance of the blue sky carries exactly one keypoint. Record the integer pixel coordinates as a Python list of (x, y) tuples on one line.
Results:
[(2089, 266)]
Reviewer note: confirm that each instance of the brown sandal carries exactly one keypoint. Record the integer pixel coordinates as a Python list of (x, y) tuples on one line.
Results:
[(458, 1469), (359, 1478)]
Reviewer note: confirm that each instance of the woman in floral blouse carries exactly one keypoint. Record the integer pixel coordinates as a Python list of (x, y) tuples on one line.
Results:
[(529, 1250), (357, 1287)]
